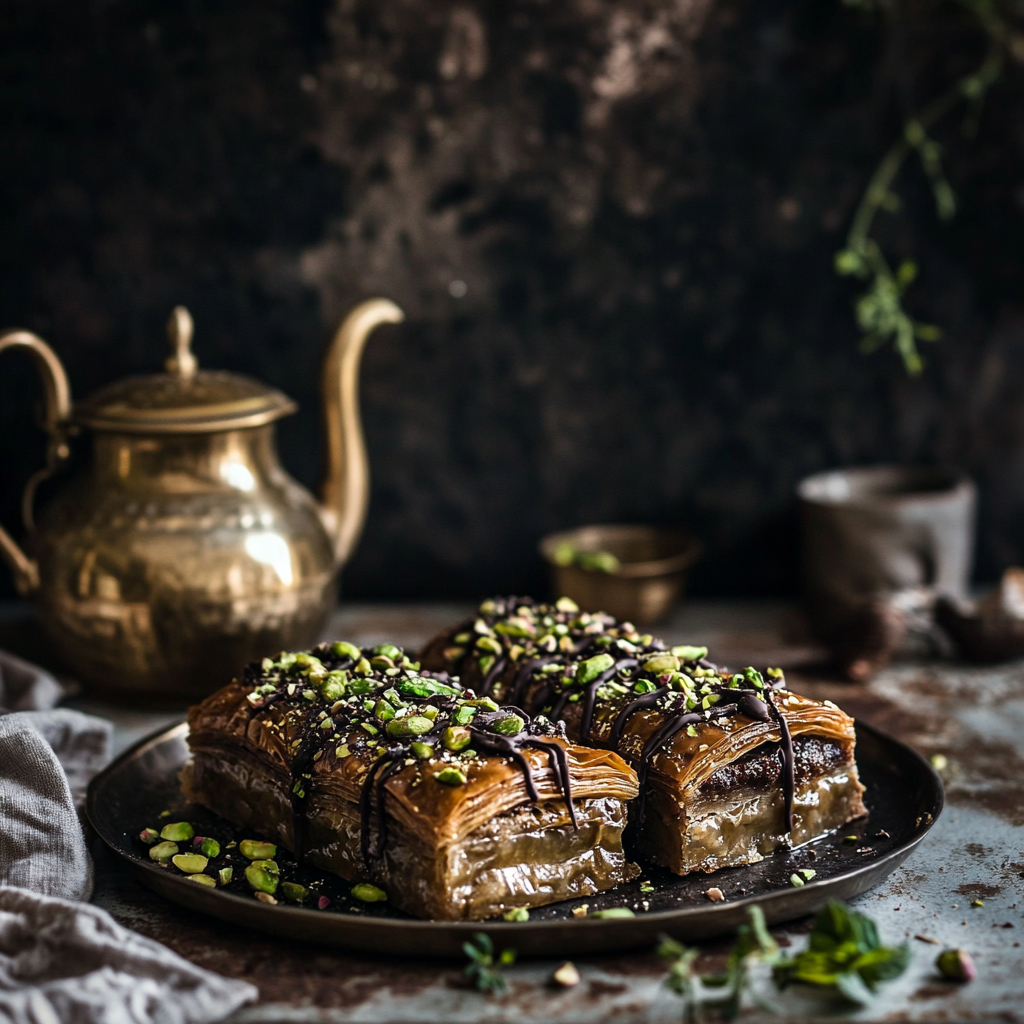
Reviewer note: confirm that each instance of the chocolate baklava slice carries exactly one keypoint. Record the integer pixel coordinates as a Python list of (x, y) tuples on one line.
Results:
[(731, 765), (367, 766)]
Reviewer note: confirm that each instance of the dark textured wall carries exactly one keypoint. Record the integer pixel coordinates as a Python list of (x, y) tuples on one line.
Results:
[(611, 225)]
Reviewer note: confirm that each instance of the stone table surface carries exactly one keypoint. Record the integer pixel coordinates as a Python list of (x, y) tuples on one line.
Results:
[(973, 716)]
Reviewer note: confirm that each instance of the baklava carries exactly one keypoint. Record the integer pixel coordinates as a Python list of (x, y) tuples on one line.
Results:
[(366, 766), (731, 766)]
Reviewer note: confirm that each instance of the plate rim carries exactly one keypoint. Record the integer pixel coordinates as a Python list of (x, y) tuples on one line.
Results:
[(668, 920)]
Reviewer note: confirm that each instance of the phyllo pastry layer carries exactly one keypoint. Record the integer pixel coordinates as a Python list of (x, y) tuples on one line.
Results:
[(364, 765), (730, 765)]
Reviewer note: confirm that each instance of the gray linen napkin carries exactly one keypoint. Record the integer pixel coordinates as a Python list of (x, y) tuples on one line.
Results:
[(47, 757), (74, 964), (63, 961)]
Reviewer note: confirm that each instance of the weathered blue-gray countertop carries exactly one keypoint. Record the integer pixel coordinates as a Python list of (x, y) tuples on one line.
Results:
[(974, 716)]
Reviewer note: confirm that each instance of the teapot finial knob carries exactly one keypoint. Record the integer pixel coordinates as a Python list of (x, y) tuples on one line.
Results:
[(179, 329)]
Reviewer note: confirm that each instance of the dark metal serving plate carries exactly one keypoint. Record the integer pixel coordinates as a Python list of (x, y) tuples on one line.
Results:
[(903, 793)]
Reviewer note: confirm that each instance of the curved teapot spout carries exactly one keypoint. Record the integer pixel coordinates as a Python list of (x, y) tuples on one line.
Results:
[(346, 488)]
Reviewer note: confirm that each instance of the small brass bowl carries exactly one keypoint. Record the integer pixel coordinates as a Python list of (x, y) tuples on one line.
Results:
[(641, 588)]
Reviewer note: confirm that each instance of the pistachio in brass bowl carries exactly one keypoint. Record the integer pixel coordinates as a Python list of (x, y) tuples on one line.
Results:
[(632, 572)]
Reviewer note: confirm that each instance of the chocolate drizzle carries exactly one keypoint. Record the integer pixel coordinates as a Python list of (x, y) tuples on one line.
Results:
[(590, 694), (592, 634), (760, 707), (492, 675), (647, 700), (306, 707), (788, 767)]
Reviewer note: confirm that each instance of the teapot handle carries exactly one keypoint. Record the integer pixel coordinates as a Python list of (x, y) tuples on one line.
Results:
[(345, 494), (58, 409)]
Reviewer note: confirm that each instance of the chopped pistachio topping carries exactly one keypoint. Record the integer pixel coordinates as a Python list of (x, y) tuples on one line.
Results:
[(225, 875), (149, 836), (451, 776), (517, 914), (203, 880), (590, 669), (510, 725)]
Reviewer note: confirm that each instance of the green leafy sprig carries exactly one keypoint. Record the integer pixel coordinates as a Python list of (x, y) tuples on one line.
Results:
[(483, 969), (844, 954), (879, 309), (723, 991)]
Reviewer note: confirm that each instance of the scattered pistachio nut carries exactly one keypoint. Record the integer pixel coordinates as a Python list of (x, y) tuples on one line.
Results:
[(263, 875), (149, 836), (210, 847), (163, 852), (613, 912), (254, 849), (516, 914), (956, 965), (177, 832), (796, 880), (451, 776), (190, 863), (566, 976), (323, 903), (581, 910), (225, 875), (369, 893), (294, 892), (422, 750), (203, 880), (265, 897), (808, 873), (715, 895)]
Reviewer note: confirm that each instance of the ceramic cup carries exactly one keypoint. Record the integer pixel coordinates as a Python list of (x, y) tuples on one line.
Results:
[(879, 544)]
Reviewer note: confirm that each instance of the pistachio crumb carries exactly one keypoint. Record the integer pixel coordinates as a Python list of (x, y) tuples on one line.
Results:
[(715, 895), (567, 976)]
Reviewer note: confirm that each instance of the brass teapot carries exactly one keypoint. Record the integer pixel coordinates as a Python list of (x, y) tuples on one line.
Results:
[(182, 550)]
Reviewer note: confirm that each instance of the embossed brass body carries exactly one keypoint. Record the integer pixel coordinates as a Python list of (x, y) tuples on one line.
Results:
[(182, 549)]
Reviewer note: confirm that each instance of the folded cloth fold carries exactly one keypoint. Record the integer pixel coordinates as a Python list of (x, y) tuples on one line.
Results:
[(63, 961), (73, 963), (26, 687)]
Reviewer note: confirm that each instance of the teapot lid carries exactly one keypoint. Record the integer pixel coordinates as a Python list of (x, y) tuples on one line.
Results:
[(185, 399)]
